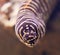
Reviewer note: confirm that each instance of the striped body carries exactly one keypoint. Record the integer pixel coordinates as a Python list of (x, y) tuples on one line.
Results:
[(31, 20)]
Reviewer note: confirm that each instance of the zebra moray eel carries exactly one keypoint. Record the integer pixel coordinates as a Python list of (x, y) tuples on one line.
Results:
[(31, 20)]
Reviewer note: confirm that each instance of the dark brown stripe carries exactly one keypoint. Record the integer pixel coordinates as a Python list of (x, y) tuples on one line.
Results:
[(21, 22), (38, 6), (35, 8), (42, 29), (30, 10), (46, 5), (38, 9), (41, 5)]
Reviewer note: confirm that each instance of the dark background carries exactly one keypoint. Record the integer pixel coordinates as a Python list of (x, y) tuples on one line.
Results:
[(49, 44)]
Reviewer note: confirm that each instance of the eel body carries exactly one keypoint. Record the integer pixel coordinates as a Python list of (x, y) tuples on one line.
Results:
[(31, 20)]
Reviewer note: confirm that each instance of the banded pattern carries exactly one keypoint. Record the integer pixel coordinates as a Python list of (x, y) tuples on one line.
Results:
[(32, 16)]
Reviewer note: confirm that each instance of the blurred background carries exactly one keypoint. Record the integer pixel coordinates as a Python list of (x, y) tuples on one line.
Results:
[(49, 45)]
